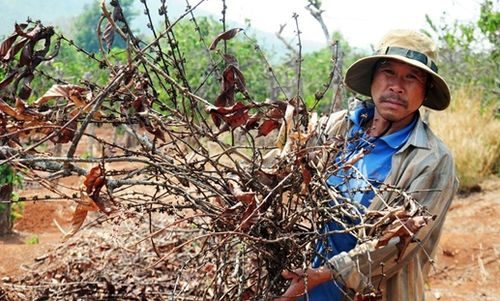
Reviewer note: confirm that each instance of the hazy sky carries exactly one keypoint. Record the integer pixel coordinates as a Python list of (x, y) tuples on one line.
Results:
[(362, 22)]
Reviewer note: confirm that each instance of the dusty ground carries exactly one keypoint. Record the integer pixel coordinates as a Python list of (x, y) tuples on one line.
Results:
[(468, 262), (467, 266)]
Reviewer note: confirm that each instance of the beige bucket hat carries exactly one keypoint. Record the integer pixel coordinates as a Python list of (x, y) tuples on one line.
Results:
[(410, 47)]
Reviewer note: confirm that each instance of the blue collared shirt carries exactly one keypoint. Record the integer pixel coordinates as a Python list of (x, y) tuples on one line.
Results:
[(373, 168)]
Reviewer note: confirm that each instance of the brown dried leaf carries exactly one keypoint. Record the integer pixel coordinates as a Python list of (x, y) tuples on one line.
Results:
[(268, 126), (225, 98), (26, 56), (94, 179), (109, 35), (233, 78), (64, 91), (8, 110), (158, 133), (234, 186), (253, 121), (25, 113), (249, 216), (227, 35), (267, 177), (7, 44), (306, 174), (33, 34), (286, 127), (234, 116), (15, 49), (85, 205), (66, 134)]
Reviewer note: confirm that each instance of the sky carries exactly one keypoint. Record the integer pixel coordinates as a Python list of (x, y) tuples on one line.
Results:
[(361, 22)]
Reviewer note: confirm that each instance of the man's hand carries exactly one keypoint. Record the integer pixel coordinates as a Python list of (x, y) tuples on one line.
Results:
[(300, 279)]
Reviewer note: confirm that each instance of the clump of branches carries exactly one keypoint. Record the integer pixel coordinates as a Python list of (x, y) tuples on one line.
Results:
[(239, 210)]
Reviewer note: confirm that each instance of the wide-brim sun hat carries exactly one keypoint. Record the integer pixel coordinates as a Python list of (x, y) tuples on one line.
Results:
[(407, 46)]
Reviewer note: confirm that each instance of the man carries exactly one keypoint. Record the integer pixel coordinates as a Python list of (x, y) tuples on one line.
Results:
[(399, 150)]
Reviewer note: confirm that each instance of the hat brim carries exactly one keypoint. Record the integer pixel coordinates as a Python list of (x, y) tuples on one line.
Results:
[(358, 78)]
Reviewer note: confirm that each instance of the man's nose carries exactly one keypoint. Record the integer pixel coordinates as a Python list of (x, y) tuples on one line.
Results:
[(396, 84)]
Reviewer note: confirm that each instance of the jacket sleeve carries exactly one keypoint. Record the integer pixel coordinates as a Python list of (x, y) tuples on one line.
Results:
[(429, 177)]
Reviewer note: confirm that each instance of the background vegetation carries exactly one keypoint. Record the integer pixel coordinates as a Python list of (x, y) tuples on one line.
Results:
[(469, 55)]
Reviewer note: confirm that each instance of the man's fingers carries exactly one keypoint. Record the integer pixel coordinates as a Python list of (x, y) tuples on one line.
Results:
[(287, 274), (290, 275)]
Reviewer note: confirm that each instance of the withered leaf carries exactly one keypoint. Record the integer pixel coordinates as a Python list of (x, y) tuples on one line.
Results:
[(246, 197), (7, 109), (26, 56), (85, 205), (249, 216), (267, 178), (306, 174), (6, 44), (233, 77), (286, 127), (93, 179), (66, 133), (252, 122), (21, 111), (64, 91), (15, 49), (268, 126), (109, 35), (158, 133), (227, 35), (234, 116), (225, 98), (32, 34), (25, 91)]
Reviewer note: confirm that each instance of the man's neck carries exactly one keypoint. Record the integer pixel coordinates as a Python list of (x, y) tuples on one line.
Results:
[(379, 126)]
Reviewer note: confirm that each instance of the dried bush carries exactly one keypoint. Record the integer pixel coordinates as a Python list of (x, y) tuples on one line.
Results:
[(471, 133), (202, 208)]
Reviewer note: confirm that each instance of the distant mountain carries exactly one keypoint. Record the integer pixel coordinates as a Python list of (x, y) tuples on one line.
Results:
[(50, 12), (60, 13)]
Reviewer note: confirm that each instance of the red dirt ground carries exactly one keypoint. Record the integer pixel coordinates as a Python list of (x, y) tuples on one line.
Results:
[(467, 264)]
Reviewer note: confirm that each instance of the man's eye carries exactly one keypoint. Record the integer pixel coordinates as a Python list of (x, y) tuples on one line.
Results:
[(415, 77)]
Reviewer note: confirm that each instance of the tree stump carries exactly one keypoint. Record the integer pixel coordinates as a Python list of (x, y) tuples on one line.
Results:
[(5, 208)]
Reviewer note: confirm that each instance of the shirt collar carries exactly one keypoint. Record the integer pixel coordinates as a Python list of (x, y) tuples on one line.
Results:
[(394, 140)]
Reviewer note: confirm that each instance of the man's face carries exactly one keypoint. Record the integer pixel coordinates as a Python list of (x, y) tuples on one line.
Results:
[(398, 90)]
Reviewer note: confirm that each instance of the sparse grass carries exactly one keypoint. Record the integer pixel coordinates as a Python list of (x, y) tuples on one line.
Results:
[(33, 240), (472, 134)]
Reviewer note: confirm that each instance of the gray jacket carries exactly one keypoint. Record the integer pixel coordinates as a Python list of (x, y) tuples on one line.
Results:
[(423, 168)]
